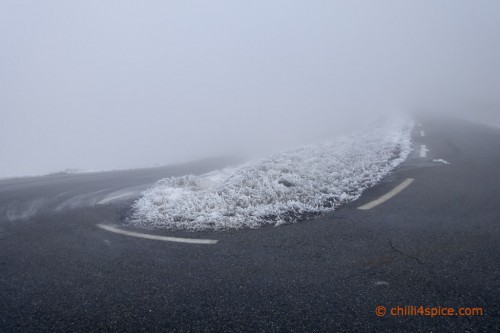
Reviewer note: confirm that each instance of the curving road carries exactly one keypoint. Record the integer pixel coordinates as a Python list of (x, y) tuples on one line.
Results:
[(428, 235)]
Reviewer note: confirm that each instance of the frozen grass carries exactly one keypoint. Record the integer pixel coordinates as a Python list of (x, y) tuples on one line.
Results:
[(281, 188)]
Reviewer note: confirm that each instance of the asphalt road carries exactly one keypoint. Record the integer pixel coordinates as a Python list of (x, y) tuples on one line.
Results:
[(436, 243)]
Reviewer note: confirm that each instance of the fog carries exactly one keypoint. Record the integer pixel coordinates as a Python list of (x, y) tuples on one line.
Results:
[(119, 84)]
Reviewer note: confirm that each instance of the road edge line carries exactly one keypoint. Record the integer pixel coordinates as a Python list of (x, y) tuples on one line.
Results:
[(156, 237)]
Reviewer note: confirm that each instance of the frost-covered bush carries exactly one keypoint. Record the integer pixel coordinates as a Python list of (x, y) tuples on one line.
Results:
[(281, 188)]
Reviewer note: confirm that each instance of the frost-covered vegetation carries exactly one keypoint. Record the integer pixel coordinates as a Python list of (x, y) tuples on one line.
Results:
[(281, 188)]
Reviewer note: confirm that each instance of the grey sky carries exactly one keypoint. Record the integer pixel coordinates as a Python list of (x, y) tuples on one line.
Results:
[(118, 84)]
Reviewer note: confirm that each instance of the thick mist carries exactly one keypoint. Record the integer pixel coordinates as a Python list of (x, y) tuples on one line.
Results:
[(119, 84)]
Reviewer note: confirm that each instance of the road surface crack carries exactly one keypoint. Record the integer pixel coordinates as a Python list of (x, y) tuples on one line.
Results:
[(405, 254)]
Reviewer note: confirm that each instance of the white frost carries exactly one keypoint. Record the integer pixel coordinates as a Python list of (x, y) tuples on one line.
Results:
[(281, 188)]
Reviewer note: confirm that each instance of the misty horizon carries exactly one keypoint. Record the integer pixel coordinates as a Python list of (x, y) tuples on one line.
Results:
[(92, 85)]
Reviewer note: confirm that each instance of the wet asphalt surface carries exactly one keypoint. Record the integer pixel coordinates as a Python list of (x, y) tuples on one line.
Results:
[(437, 243)]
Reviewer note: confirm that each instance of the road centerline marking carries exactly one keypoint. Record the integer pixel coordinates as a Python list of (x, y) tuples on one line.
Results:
[(156, 237), (423, 151), (388, 195)]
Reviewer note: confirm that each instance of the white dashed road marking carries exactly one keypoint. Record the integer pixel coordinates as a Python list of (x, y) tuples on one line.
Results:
[(155, 237), (387, 196), (423, 151), (381, 283), (441, 161), (422, 133)]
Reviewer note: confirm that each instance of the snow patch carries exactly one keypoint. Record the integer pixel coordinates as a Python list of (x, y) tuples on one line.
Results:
[(282, 188)]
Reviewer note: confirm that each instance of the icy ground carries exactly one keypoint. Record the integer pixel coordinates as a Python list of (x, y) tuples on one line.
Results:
[(281, 188)]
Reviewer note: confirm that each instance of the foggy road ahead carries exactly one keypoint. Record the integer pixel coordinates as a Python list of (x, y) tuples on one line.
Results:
[(433, 241)]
